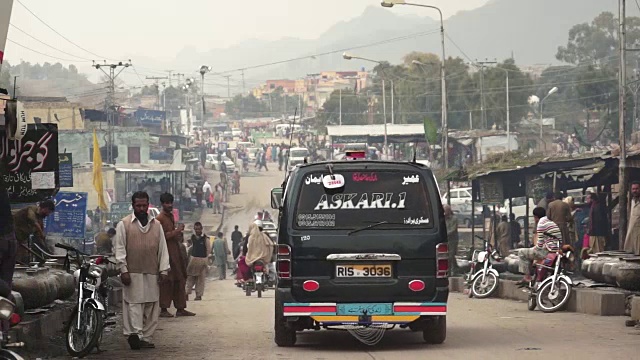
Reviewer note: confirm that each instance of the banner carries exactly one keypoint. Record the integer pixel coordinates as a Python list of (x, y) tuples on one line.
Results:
[(153, 118), (31, 171), (69, 219), (5, 17), (65, 162)]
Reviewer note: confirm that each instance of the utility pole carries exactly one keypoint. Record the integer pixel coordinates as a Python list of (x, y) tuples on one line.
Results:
[(156, 78), (315, 91), (622, 88), (228, 87), (483, 112), (169, 76), (340, 107), (508, 118), (179, 77), (110, 101), (384, 113), (243, 94), (393, 121)]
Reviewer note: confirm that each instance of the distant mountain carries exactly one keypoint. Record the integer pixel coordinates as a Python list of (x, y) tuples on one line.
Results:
[(530, 30)]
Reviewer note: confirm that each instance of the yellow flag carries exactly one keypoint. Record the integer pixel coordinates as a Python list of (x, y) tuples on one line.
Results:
[(97, 172)]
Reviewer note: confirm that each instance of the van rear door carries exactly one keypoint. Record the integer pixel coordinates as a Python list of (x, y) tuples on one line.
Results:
[(367, 240)]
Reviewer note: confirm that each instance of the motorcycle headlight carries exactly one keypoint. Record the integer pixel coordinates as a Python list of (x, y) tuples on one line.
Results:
[(6, 308), (95, 272)]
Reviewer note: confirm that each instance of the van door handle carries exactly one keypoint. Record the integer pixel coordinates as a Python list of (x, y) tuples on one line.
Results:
[(364, 257)]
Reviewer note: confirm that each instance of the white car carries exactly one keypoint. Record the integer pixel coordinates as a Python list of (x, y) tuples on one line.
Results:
[(212, 163), (297, 156), (270, 229), (459, 196), (236, 132)]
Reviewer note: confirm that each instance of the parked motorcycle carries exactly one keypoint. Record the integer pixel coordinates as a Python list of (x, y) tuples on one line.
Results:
[(88, 318), (482, 279), (551, 288), (7, 313)]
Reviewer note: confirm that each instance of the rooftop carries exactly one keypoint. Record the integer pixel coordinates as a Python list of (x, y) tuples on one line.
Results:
[(375, 130), (151, 168)]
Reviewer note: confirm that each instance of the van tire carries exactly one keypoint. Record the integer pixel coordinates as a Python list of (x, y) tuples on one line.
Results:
[(285, 336), (435, 332)]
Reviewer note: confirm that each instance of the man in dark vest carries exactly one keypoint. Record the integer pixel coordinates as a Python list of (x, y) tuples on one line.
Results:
[(199, 263)]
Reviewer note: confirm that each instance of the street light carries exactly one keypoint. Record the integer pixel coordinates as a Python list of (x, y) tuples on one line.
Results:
[(384, 102), (203, 70), (551, 92), (445, 126)]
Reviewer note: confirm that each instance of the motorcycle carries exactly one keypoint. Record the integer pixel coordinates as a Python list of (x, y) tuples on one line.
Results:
[(483, 282), (551, 288), (259, 280), (7, 313), (89, 316)]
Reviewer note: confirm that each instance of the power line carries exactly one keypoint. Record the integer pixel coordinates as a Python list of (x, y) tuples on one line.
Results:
[(44, 43), (55, 31), (41, 53)]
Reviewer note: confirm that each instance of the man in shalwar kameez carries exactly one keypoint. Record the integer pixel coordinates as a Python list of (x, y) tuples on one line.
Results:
[(143, 261), (632, 241)]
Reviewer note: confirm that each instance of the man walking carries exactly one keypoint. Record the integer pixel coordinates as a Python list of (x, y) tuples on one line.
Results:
[(174, 288), (503, 236), (236, 239), (632, 241), (199, 263), (221, 251), (143, 261)]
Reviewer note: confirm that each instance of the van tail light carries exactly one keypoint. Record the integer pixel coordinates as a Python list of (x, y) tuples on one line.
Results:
[(14, 319), (442, 258), (283, 263)]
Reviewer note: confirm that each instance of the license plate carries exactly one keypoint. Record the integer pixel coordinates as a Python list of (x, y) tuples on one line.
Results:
[(363, 271), (362, 309), (258, 279), (89, 287)]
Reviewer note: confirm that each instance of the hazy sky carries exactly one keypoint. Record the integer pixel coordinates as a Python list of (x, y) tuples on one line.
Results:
[(160, 28)]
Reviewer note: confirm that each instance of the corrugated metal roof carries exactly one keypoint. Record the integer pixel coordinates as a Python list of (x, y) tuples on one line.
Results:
[(375, 130)]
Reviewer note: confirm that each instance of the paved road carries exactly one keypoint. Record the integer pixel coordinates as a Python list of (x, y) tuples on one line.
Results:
[(230, 325)]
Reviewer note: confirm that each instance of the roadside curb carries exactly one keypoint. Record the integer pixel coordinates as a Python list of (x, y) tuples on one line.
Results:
[(590, 301)]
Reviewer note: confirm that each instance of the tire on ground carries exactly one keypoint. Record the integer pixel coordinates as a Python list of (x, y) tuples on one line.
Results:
[(435, 331)]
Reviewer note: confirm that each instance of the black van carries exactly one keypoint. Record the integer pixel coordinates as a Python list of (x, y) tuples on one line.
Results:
[(361, 243)]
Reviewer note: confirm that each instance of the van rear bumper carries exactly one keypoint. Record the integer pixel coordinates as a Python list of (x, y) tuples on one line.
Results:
[(328, 313)]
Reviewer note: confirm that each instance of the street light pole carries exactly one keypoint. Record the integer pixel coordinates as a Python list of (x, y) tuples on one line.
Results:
[(551, 92), (203, 70), (443, 79), (384, 103)]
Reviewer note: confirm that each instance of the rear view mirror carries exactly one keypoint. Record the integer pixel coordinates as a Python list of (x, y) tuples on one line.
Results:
[(276, 198)]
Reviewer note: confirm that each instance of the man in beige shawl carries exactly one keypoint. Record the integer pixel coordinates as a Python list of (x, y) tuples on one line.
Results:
[(632, 241), (260, 246)]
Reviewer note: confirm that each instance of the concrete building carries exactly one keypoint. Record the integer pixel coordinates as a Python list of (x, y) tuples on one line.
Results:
[(132, 143), (53, 110), (83, 182)]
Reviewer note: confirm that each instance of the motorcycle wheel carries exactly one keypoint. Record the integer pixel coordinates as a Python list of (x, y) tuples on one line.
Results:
[(259, 291), (80, 342), (485, 290), (531, 302), (247, 290), (548, 302)]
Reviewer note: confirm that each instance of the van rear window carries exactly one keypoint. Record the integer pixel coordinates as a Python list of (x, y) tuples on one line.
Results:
[(399, 198)]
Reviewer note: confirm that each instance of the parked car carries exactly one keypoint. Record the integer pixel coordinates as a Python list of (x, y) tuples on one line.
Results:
[(519, 209), (236, 132), (212, 163), (459, 196), (463, 213)]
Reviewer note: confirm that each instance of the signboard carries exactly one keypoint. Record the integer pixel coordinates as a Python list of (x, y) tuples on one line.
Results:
[(222, 147), (30, 166), (153, 118), (350, 139), (537, 187), (65, 162), (491, 191), (119, 210), (69, 219)]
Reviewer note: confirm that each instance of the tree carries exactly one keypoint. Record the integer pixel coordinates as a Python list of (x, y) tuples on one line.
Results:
[(241, 107), (354, 108)]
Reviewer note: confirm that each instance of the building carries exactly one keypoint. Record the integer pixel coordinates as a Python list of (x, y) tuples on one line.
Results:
[(53, 110), (132, 144)]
